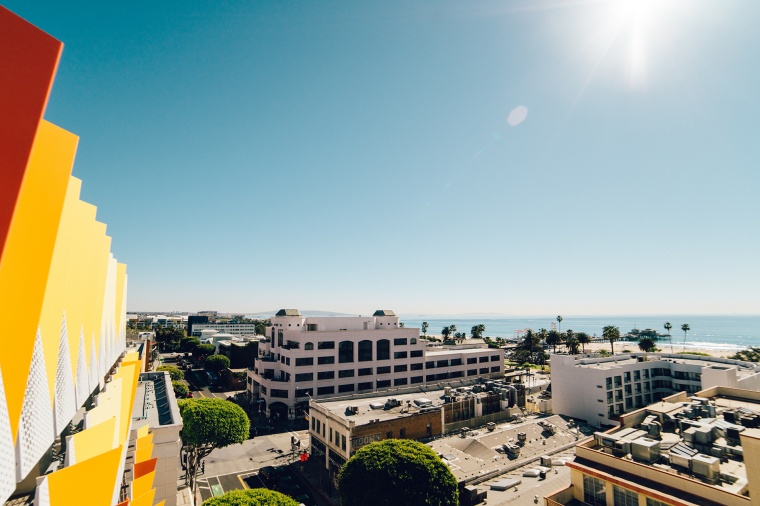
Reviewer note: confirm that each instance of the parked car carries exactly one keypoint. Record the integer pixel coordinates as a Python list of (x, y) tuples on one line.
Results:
[(269, 474)]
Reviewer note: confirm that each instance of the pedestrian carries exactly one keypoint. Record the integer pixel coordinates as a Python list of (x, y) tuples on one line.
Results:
[(203, 467)]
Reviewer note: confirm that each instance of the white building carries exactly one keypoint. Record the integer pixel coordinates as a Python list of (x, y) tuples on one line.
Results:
[(599, 390), (238, 329), (320, 357)]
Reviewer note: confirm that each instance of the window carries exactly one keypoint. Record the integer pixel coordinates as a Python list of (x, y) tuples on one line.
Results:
[(383, 383), (495, 358), (280, 394), (346, 388), (472, 372), (484, 370), (430, 365), (618, 381), (430, 377), (495, 368), (308, 346), (399, 341), (456, 361), (654, 502), (366, 371), (326, 360), (399, 382), (325, 390), (482, 359), (609, 383), (627, 377), (384, 370), (365, 386), (326, 345), (402, 433), (343, 442), (345, 352), (326, 375), (456, 374), (346, 373), (383, 349), (399, 368), (413, 340), (365, 351), (472, 360), (624, 497), (416, 367), (399, 355), (442, 376), (307, 376), (311, 327), (416, 379), (304, 361), (442, 363), (593, 491), (304, 392), (636, 375), (415, 353)]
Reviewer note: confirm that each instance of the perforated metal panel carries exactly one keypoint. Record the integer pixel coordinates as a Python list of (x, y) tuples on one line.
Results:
[(94, 375), (42, 494), (83, 380), (7, 453), (65, 395), (35, 430)]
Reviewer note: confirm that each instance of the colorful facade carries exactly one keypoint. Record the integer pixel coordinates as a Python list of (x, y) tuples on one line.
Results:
[(62, 304)]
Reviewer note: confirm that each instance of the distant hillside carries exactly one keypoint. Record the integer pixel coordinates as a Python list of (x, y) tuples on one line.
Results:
[(304, 312)]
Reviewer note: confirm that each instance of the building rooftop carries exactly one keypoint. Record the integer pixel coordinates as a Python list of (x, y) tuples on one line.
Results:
[(288, 312), (378, 408), (155, 401), (697, 439), (615, 361), (384, 312)]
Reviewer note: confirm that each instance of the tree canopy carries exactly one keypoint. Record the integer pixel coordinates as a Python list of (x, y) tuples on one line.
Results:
[(477, 331), (400, 472), (174, 372), (251, 497), (751, 354), (208, 424), (180, 389), (611, 334), (424, 328), (204, 350), (188, 344), (217, 363), (647, 344)]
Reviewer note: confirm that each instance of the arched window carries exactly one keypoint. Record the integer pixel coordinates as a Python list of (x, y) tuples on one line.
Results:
[(308, 346), (345, 352), (384, 349), (365, 351), (413, 340)]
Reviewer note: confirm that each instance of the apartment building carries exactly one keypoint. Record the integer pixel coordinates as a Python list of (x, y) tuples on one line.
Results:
[(236, 329), (320, 357), (703, 450), (600, 390)]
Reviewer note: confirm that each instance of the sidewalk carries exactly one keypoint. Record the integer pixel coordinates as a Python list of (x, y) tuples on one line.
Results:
[(316, 480)]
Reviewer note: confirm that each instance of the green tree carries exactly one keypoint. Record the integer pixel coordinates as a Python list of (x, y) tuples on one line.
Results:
[(208, 424), (168, 339), (559, 323), (569, 334), (174, 372), (685, 327), (251, 497), (188, 344), (751, 354), (203, 350), (401, 472), (216, 363), (424, 329), (668, 326), (647, 344), (445, 331), (584, 339), (180, 389), (553, 339), (611, 334), (572, 344), (452, 330), (477, 331)]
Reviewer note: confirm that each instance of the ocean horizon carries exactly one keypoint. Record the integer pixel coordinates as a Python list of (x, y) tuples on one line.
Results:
[(710, 332)]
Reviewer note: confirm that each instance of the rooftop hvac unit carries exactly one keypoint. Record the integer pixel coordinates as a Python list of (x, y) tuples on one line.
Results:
[(522, 437), (646, 450), (688, 434), (703, 435), (680, 460), (729, 416), (733, 434), (706, 467)]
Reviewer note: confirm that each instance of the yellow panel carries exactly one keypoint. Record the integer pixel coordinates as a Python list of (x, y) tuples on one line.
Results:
[(27, 255), (144, 500), (121, 278), (143, 431), (90, 482), (94, 440), (142, 485), (144, 453), (132, 356), (129, 374), (109, 405)]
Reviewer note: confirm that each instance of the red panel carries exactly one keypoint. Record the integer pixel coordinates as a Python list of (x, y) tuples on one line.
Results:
[(28, 61)]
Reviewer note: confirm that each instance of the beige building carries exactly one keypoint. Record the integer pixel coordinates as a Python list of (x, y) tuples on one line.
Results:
[(701, 450)]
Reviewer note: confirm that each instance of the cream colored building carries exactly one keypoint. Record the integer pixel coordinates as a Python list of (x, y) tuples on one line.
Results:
[(682, 451)]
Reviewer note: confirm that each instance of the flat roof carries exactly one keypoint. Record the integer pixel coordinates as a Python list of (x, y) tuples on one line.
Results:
[(365, 412)]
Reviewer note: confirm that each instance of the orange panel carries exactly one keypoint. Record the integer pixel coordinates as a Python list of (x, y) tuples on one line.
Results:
[(28, 61), (143, 468)]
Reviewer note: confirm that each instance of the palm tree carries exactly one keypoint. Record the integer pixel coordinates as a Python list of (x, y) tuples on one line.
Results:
[(553, 339), (685, 327), (424, 329), (647, 344), (572, 344), (477, 331), (612, 334), (567, 336), (452, 330), (445, 331), (559, 323), (668, 326), (584, 339)]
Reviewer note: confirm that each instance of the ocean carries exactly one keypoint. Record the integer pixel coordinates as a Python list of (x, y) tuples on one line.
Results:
[(707, 332)]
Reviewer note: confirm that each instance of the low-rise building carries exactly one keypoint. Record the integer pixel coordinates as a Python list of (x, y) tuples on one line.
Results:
[(237, 329), (703, 450), (320, 357), (601, 389)]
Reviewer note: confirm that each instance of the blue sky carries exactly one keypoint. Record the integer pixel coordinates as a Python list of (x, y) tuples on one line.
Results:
[(348, 156)]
